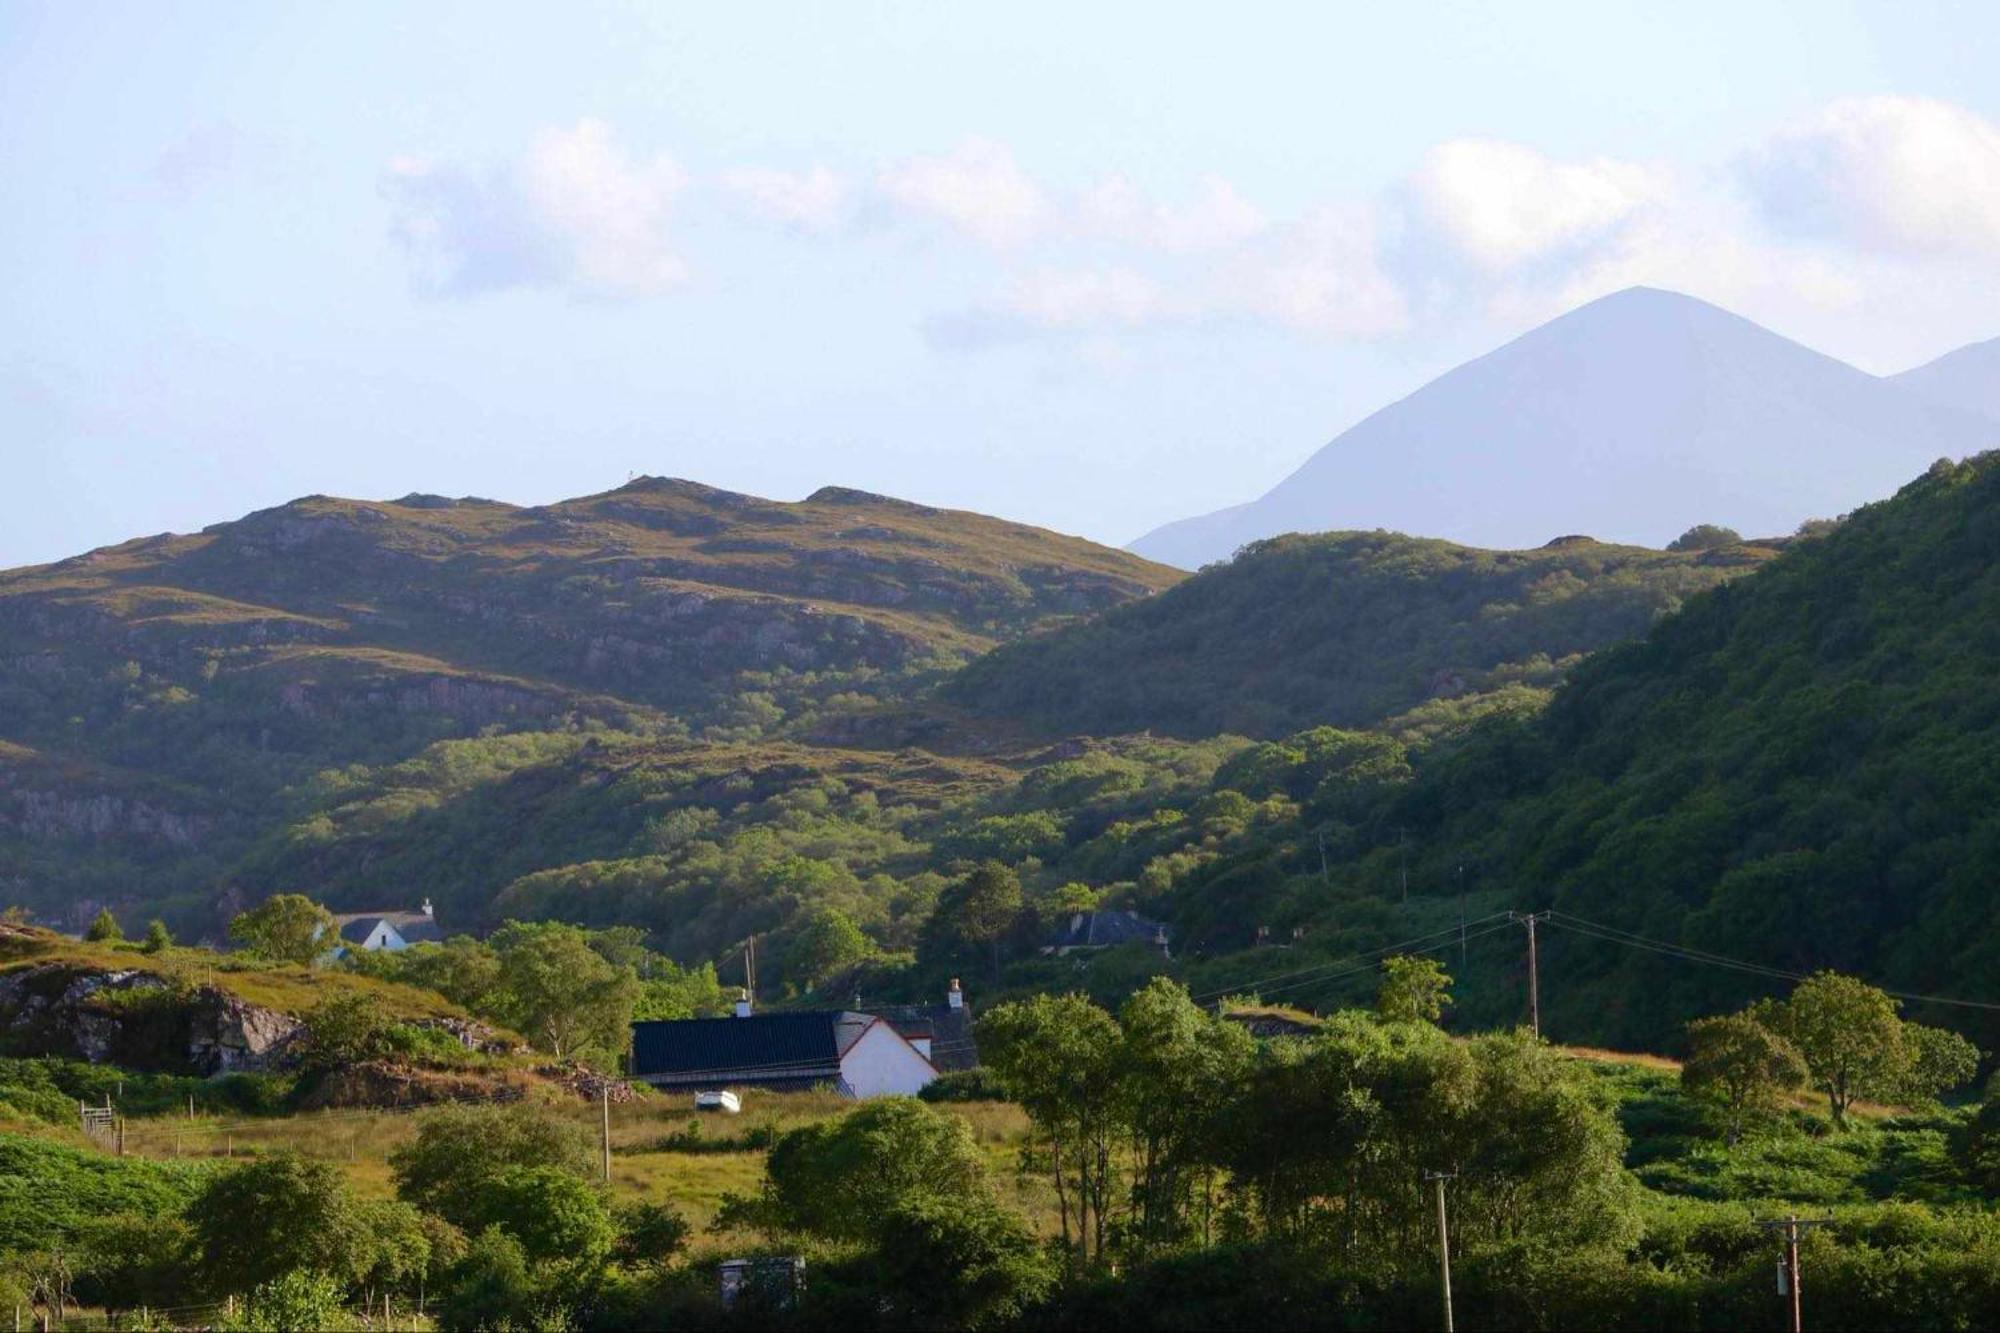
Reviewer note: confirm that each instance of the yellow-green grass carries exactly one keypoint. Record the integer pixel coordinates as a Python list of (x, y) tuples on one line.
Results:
[(285, 987), (361, 1143)]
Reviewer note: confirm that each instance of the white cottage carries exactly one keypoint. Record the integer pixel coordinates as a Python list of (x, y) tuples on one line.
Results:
[(862, 1055)]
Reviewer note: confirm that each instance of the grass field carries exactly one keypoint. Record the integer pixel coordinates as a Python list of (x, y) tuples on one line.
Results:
[(693, 1177)]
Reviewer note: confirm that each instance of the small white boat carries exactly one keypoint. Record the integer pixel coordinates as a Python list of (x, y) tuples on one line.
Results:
[(727, 1102)]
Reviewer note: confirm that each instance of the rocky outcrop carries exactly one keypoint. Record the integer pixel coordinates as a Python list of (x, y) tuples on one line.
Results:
[(137, 1019), (387, 1083), (229, 1035), (588, 1084)]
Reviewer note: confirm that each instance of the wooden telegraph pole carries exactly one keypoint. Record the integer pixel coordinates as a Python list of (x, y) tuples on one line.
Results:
[(605, 1135), (1534, 970), (1788, 1267), (1444, 1240)]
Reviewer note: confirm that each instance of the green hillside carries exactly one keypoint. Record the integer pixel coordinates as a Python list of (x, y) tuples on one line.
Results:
[(1344, 628), (158, 697), (1799, 769)]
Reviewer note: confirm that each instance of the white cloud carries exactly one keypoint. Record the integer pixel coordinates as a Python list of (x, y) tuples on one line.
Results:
[(1500, 204), (977, 187), (1217, 217), (813, 201), (576, 211), (1086, 299), (1322, 275), (1900, 174)]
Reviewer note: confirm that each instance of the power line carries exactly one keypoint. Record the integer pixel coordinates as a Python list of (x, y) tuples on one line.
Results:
[(1260, 984), (1688, 953)]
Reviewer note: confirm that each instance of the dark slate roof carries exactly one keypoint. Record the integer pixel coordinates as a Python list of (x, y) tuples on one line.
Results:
[(949, 1029), (412, 926), (1097, 930), (763, 1048)]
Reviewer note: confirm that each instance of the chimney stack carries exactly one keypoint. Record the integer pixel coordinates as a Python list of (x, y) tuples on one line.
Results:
[(955, 997), (743, 1003)]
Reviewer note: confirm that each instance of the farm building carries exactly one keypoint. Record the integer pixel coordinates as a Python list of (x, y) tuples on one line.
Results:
[(386, 930), (1104, 930), (942, 1033), (862, 1055)]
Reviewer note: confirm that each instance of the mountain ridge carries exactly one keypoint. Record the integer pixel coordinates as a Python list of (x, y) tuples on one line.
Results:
[(1633, 417)]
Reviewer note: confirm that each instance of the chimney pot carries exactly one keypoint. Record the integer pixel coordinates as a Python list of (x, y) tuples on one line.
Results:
[(955, 997), (427, 908), (743, 1003)]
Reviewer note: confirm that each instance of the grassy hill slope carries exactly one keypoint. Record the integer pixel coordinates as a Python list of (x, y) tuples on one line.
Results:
[(1347, 628), (156, 697)]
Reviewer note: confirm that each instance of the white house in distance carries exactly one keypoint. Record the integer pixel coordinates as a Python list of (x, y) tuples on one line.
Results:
[(386, 930), (862, 1055)]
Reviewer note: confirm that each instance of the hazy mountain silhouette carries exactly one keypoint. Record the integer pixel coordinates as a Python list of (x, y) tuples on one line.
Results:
[(1629, 419), (1968, 378)]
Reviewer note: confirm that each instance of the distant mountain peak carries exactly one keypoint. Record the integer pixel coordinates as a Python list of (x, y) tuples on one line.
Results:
[(1968, 378), (1634, 417)]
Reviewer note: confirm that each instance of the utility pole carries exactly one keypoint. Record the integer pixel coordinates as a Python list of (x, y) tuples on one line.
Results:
[(604, 1137), (1534, 970), (1444, 1240), (1788, 1267), (1461, 914), (1403, 861)]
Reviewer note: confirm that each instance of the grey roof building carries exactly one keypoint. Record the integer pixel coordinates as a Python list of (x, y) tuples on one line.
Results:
[(861, 1055), (943, 1032), (387, 930), (1102, 930)]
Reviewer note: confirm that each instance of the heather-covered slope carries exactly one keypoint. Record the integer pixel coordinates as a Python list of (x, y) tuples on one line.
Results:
[(158, 697), (1346, 628)]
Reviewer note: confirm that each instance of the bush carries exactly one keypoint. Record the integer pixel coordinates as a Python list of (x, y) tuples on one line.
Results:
[(964, 1085), (458, 1149)]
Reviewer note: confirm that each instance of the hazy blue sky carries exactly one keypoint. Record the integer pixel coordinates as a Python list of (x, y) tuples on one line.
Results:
[(1090, 266)]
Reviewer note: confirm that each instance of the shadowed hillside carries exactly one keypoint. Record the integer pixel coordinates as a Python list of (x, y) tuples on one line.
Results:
[(1346, 628)]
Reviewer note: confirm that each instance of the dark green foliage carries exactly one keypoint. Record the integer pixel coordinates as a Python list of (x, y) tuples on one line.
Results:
[(307, 1219), (842, 1177), (292, 1302), (458, 1149), (1705, 537), (136, 1259), (974, 917), (1348, 628), (964, 1085), (1413, 990), (958, 1263), (1800, 768), (346, 1029), (1741, 1067), (285, 928), (557, 1217), (50, 1194), (651, 1234), (49, 1088), (1975, 1145), (491, 1287), (561, 993)]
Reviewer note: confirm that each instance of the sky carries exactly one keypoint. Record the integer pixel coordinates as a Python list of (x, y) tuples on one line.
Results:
[(1093, 267)]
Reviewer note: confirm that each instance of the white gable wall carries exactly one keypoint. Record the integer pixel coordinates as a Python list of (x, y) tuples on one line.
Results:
[(881, 1064)]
